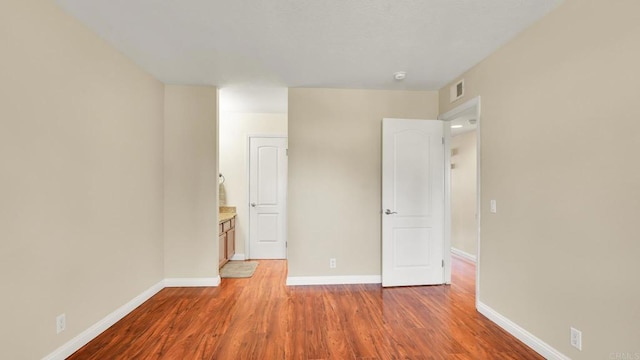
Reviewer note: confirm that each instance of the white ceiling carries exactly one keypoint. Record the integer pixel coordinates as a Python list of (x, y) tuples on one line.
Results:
[(308, 43)]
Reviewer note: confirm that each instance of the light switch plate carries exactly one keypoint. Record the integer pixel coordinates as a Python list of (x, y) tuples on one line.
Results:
[(494, 207)]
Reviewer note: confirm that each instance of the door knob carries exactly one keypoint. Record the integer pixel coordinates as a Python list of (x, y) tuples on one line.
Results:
[(253, 204), (389, 212)]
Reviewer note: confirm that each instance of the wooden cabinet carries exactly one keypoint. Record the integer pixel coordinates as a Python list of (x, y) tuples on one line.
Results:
[(222, 254), (226, 241), (231, 243)]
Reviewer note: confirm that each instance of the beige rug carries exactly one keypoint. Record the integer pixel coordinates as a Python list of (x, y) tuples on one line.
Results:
[(238, 269)]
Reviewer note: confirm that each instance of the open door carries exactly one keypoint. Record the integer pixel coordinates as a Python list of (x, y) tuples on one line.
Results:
[(412, 202)]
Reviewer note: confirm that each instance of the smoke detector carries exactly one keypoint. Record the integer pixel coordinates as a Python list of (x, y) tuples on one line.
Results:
[(400, 75)]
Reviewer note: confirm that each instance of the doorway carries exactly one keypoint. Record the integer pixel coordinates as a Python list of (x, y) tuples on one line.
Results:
[(462, 178), (245, 112)]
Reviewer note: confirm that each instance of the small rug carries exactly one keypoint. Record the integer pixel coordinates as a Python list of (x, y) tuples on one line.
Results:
[(238, 269)]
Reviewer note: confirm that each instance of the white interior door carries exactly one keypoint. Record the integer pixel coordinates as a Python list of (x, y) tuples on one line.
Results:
[(412, 202), (267, 197)]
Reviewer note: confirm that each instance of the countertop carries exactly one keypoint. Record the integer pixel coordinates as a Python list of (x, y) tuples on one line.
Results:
[(226, 213), (224, 216)]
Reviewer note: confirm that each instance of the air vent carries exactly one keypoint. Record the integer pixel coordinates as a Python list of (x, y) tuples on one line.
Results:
[(457, 91)]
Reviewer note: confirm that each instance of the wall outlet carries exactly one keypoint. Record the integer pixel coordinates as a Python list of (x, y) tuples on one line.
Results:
[(61, 323), (332, 263), (576, 339)]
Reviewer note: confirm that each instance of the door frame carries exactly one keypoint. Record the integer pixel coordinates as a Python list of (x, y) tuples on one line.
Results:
[(247, 240), (446, 117)]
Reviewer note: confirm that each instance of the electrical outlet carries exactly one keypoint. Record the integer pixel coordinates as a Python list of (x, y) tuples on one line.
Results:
[(576, 339), (332, 263), (61, 323)]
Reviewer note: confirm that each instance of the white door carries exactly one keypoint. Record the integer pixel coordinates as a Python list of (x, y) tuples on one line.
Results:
[(267, 197), (412, 202)]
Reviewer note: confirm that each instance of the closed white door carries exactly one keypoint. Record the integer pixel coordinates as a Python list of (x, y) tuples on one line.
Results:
[(412, 202), (267, 197)]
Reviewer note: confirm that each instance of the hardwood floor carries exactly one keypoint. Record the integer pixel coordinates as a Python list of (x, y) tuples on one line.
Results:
[(261, 318)]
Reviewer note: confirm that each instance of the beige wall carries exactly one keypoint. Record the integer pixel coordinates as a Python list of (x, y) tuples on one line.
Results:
[(560, 132), (81, 184), (334, 175), (464, 228), (190, 182), (234, 131)]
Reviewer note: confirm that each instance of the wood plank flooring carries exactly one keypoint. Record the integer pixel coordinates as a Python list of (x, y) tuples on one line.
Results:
[(261, 318)]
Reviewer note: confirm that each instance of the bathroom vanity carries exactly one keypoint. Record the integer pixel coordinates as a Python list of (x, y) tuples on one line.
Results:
[(227, 234)]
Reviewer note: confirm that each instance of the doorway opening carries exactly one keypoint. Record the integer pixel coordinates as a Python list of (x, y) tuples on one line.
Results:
[(246, 113), (462, 179)]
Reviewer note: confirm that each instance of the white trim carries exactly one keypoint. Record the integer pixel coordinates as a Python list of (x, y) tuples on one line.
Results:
[(479, 191), (460, 108), (238, 257), (521, 334), (258, 135), (96, 329), (333, 280), (192, 282), (446, 255), (449, 115), (463, 254)]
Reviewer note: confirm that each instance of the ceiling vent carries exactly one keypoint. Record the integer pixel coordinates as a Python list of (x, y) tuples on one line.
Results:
[(456, 91)]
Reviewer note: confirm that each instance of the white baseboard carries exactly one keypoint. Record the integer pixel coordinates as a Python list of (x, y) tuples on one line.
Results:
[(464, 255), (521, 334), (192, 282), (84, 337), (238, 257), (333, 280), (96, 329)]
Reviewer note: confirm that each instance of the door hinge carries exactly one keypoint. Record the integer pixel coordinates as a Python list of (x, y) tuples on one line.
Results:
[(442, 263), (287, 152), (443, 140)]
